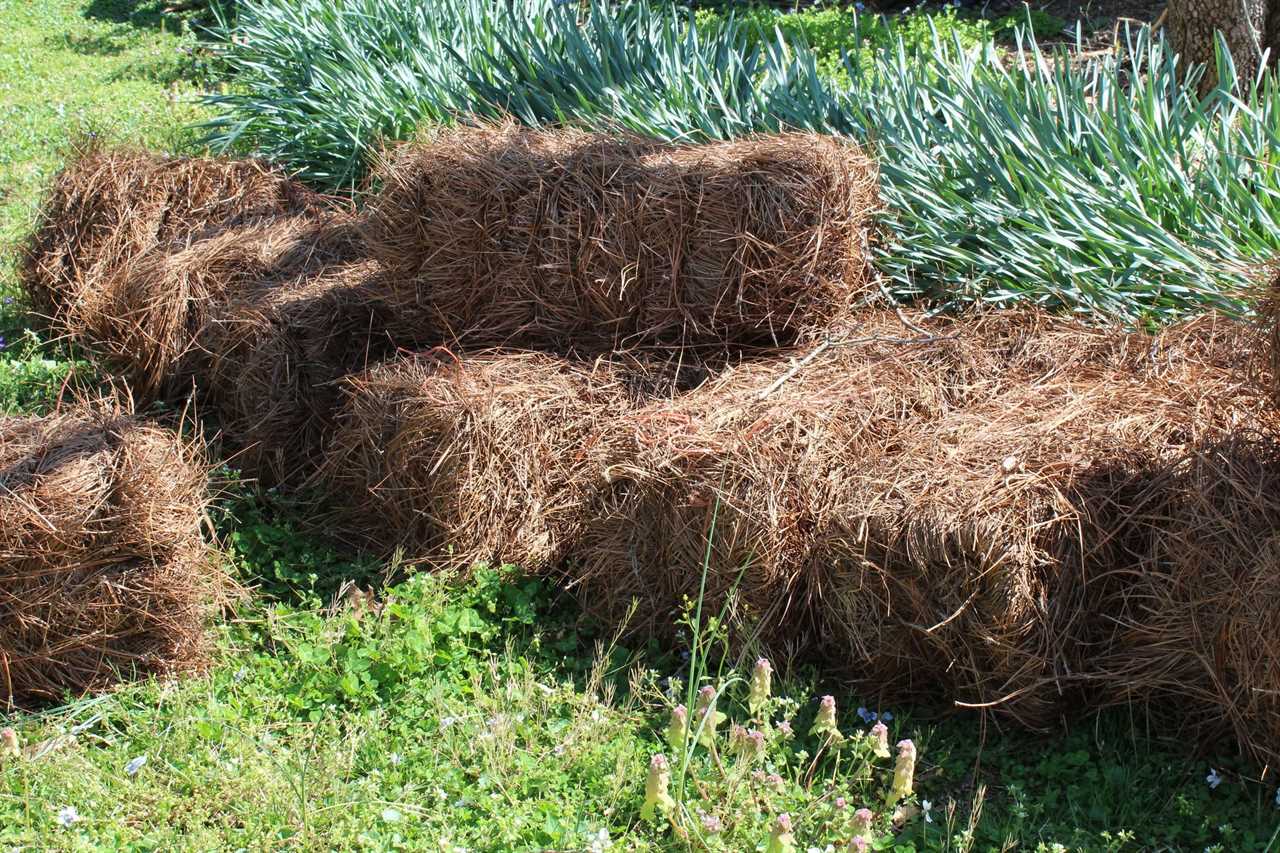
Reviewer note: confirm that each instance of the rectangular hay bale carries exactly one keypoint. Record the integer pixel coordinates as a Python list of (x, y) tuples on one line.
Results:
[(559, 239)]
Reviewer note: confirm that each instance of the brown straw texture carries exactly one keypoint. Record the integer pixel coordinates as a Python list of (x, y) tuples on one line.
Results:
[(103, 574), (107, 207), (562, 240)]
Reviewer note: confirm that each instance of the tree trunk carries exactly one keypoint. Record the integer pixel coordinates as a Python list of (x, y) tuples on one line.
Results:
[(1249, 27)]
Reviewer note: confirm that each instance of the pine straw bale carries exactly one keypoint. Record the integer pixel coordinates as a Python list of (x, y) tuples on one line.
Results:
[(487, 458), (502, 236), (863, 509), (146, 316), (272, 358), (751, 461), (966, 553), (108, 206), (1194, 619), (103, 574)]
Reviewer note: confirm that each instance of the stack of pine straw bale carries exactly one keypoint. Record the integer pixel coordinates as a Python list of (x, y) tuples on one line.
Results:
[(622, 363)]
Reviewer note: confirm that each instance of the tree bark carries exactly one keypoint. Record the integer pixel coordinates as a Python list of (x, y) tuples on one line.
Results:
[(1249, 27)]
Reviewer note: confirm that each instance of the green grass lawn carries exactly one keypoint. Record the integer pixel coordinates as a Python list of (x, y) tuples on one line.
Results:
[(476, 714)]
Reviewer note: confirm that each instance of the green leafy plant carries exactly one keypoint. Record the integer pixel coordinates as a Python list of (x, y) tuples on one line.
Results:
[(759, 778), (30, 380), (832, 31), (270, 545), (1037, 22)]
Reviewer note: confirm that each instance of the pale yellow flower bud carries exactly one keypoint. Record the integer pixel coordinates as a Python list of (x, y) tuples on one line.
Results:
[(862, 820), (657, 786), (678, 728), (780, 838), (880, 740), (9, 746), (761, 686), (903, 773), (825, 723), (707, 710)]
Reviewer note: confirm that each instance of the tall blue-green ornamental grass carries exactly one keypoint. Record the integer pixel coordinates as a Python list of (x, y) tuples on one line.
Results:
[(1088, 184)]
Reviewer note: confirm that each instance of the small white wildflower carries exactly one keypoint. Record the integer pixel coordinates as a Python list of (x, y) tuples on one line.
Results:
[(134, 765), (595, 716), (600, 842), (558, 749), (1213, 779), (391, 815), (396, 759), (1009, 464), (68, 815), (926, 807), (447, 722)]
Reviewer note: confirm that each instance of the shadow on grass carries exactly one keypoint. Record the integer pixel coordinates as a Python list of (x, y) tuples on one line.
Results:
[(175, 16), (113, 43), (141, 14)]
